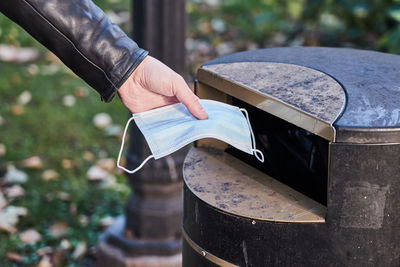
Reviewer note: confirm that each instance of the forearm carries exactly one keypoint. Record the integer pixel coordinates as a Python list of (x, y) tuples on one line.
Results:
[(82, 36)]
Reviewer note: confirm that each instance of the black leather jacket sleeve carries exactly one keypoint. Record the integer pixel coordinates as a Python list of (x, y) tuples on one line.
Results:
[(82, 36)]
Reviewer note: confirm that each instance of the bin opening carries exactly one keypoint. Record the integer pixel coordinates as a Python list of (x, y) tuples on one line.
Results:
[(293, 156)]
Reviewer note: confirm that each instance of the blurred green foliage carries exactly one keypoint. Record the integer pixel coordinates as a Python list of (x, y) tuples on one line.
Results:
[(373, 24), (55, 133)]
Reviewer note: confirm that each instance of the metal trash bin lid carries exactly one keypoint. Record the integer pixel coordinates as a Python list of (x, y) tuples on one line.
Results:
[(370, 102), (305, 97)]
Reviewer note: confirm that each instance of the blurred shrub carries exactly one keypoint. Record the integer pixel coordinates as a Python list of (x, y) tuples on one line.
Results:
[(373, 24)]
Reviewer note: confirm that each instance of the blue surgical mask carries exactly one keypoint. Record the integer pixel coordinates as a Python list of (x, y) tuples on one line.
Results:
[(169, 128)]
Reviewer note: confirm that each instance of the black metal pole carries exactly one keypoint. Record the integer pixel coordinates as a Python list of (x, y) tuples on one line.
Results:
[(153, 214), (160, 27), (154, 210)]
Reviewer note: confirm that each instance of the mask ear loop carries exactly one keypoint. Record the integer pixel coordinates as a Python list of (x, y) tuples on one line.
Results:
[(257, 153), (122, 148)]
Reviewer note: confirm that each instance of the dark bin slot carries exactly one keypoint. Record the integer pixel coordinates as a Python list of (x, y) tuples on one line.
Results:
[(294, 156)]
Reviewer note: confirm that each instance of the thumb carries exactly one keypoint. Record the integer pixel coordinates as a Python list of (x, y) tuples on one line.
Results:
[(192, 103)]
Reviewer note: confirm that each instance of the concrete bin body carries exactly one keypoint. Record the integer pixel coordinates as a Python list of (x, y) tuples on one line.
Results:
[(328, 121)]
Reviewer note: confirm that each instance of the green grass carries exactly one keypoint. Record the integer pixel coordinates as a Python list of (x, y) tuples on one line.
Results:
[(55, 132)]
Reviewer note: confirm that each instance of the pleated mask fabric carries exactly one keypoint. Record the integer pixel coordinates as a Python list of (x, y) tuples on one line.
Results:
[(169, 128)]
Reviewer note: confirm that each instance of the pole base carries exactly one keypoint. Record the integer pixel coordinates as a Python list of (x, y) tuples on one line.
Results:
[(110, 256), (115, 250)]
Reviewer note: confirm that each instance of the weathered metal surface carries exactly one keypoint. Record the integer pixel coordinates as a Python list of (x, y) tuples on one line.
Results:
[(370, 79), (304, 89), (232, 186), (305, 97)]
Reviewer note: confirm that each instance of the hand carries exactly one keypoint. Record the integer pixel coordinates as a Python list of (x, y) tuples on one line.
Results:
[(154, 85)]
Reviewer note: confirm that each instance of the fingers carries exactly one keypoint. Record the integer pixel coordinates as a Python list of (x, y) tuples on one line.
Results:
[(190, 100)]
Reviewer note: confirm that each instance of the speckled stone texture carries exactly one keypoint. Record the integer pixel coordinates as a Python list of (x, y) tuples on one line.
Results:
[(371, 79), (307, 90)]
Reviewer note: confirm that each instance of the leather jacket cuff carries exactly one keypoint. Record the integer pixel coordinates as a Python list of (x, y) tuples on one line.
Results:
[(108, 94)]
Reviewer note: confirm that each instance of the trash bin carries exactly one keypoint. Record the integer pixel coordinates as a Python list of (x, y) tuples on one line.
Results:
[(328, 193)]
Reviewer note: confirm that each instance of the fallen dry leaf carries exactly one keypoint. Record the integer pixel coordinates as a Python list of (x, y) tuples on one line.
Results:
[(49, 175), (58, 229), (64, 196), (3, 150), (33, 162), (14, 175), (110, 182), (44, 251), (107, 164), (32, 69), (95, 173), (30, 236), (65, 244), (83, 220), (113, 130), (45, 262), (10, 53), (50, 69), (88, 156), (24, 98), (69, 100), (9, 217), (106, 221), (3, 201), (81, 92), (225, 48), (80, 250), (14, 257), (102, 120), (66, 163), (8, 228), (14, 191), (17, 110), (51, 57)]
